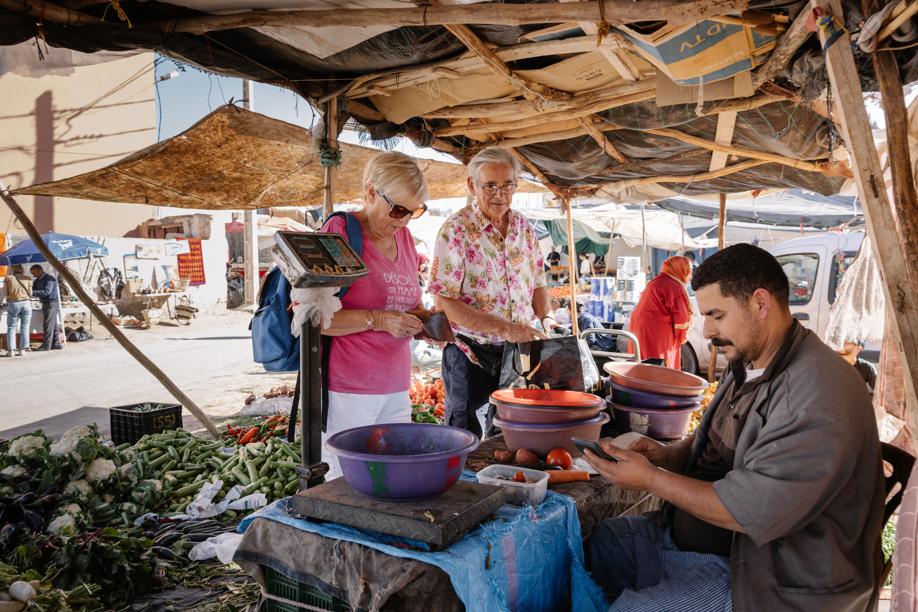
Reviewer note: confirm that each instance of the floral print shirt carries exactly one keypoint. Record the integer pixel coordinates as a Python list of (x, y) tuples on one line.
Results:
[(491, 273)]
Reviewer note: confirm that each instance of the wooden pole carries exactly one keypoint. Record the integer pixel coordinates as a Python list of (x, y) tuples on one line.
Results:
[(572, 265), (250, 229), (891, 246), (721, 237), (331, 135), (77, 288), (616, 12)]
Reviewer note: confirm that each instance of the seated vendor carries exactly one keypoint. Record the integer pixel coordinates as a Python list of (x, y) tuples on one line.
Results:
[(776, 501)]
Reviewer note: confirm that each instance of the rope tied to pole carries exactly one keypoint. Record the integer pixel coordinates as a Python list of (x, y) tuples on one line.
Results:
[(832, 28), (603, 27), (116, 5), (329, 156)]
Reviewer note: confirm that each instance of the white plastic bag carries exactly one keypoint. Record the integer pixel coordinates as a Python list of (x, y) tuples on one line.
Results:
[(222, 546)]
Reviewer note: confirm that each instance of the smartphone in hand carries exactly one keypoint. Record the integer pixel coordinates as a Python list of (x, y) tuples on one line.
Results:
[(594, 447)]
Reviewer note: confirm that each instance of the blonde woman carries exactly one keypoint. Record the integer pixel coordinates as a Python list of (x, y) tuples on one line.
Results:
[(369, 370)]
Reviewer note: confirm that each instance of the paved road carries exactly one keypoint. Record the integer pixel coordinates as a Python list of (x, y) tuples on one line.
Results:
[(210, 360)]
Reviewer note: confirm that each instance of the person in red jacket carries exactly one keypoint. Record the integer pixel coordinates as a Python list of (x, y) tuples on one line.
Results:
[(663, 316)]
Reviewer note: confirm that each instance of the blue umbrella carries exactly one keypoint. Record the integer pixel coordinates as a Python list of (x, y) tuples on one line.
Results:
[(63, 246)]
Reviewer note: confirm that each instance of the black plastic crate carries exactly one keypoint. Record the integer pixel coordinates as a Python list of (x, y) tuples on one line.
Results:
[(280, 585), (129, 425)]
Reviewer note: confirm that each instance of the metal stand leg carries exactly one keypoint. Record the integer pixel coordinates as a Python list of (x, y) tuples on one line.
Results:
[(313, 470)]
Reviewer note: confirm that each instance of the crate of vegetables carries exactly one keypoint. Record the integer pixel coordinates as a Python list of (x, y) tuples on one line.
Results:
[(132, 422)]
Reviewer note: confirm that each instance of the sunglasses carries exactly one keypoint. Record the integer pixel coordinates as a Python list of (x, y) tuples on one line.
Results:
[(396, 211)]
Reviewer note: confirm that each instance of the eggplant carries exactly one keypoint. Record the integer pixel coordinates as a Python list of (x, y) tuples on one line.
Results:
[(23, 487), (49, 500), (35, 521), (167, 539), (26, 498), (9, 532), (164, 553)]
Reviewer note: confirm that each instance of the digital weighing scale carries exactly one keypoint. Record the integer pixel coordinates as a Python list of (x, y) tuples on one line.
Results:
[(326, 260)]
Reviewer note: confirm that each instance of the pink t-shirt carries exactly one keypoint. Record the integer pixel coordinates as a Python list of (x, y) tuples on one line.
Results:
[(374, 362)]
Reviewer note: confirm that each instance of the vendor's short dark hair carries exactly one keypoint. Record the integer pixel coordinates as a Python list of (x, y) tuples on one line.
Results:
[(36, 266), (741, 269)]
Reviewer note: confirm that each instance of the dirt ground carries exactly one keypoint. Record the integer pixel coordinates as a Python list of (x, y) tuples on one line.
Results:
[(210, 360)]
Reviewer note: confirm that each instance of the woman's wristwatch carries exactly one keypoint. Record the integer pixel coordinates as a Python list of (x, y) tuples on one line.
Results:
[(369, 320)]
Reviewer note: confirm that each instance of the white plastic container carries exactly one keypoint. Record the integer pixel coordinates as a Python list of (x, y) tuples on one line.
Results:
[(518, 493)]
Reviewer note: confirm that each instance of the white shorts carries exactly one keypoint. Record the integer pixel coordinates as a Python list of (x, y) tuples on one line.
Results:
[(349, 410)]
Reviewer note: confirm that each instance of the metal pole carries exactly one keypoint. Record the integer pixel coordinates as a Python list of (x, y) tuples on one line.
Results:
[(310, 407), (250, 249), (102, 317)]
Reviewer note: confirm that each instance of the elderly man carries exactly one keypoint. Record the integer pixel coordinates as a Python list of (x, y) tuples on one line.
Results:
[(487, 276), (776, 502)]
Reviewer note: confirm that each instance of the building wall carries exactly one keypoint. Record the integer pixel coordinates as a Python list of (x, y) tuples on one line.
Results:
[(54, 127)]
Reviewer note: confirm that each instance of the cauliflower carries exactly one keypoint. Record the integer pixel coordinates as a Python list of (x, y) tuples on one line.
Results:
[(25, 446), (68, 443), (14, 471), (156, 485), (78, 488), (100, 469), (127, 471), (64, 525), (73, 509)]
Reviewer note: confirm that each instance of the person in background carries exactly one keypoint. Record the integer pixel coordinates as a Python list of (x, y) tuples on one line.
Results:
[(423, 269), (369, 365), (18, 289), (552, 260), (586, 268), (597, 342), (487, 276), (663, 315), (44, 287), (849, 352)]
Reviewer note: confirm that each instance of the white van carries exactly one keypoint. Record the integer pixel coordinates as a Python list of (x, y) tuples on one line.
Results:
[(814, 266)]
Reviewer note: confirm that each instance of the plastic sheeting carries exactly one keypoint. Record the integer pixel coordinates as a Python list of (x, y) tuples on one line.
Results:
[(499, 567), (859, 311)]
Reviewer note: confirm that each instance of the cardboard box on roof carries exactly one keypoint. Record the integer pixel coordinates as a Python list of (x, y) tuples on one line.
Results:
[(669, 92), (706, 51), (408, 102), (581, 72)]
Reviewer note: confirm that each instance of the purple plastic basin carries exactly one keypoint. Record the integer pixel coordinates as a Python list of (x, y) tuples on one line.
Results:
[(542, 437), (663, 423), (644, 399), (402, 461)]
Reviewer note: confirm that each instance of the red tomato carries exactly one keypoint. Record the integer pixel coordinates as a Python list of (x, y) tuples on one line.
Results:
[(560, 457), (519, 477)]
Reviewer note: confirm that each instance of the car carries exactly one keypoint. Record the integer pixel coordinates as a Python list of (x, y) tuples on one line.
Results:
[(814, 266)]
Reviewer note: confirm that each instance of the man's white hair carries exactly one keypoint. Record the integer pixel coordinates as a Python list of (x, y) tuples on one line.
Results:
[(492, 155)]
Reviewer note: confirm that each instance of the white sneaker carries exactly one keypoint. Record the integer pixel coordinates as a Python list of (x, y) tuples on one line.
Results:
[(19, 353)]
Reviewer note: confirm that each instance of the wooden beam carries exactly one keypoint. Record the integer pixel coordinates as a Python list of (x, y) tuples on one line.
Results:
[(787, 46), (571, 265), (683, 178), (607, 147), (394, 79), (616, 12), (645, 87), (832, 169), (113, 329), (542, 119), (364, 112), (537, 173), (532, 91), (890, 246), (48, 11), (721, 240), (723, 135), (617, 58), (331, 137), (513, 143)]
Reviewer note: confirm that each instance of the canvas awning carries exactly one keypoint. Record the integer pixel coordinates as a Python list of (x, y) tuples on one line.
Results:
[(235, 159)]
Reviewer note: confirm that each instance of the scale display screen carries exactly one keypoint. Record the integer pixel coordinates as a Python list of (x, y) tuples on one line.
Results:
[(320, 259)]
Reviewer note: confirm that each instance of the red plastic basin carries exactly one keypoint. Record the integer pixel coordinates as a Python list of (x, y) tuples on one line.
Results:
[(654, 379), (545, 406)]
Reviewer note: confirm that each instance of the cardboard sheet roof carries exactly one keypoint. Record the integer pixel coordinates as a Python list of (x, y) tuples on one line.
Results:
[(236, 159), (633, 115)]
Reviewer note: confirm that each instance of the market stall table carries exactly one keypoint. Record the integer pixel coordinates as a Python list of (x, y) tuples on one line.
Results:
[(348, 568)]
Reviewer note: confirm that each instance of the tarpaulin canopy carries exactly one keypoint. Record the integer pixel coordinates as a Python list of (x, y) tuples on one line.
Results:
[(63, 246), (656, 228), (236, 159), (793, 207)]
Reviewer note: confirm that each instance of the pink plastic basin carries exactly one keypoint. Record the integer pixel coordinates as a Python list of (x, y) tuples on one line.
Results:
[(545, 406), (654, 379), (660, 423), (541, 438)]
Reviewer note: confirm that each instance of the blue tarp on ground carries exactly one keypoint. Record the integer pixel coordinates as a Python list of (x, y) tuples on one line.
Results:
[(523, 559)]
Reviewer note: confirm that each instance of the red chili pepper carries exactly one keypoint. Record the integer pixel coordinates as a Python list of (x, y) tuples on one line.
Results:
[(248, 436)]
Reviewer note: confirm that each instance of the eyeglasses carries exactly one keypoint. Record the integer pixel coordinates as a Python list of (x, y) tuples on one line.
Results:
[(397, 211), (491, 189)]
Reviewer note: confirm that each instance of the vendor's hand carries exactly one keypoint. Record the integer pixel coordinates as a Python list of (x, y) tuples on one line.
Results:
[(398, 324), (665, 456), (633, 471), (520, 332)]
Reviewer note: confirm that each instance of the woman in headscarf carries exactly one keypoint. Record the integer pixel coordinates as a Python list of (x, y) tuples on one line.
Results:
[(663, 316)]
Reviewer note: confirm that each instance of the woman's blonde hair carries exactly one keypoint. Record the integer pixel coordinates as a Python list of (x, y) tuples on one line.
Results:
[(395, 174)]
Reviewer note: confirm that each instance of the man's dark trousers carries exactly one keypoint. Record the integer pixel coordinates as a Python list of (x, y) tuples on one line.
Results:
[(50, 327)]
